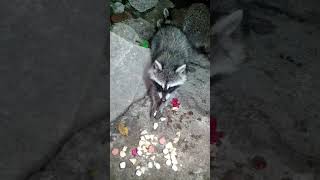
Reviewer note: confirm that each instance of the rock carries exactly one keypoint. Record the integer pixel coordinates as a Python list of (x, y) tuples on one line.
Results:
[(144, 29), (127, 65), (120, 17), (126, 32), (143, 5), (117, 7)]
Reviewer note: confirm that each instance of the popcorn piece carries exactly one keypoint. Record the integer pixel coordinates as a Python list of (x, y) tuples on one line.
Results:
[(144, 132), (165, 151), (150, 165), (124, 149), (133, 161), (174, 167), (168, 162), (169, 145), (123, 165), (157, 165), (155, 126), (122, 154), (138, 172), (163, 119)]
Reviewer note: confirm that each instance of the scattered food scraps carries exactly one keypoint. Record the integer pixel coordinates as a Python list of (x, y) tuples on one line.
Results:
[(123, 130)]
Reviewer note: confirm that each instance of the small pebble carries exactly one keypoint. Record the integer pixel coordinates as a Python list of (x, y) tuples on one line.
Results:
[(144, 132), (133, 161), (150, 165), (138, 172), (122, 154), (168, 162), (123, 165), (174, 167), (165, 151), (115, 151), (162, 140), (162, 119), (155, 126)]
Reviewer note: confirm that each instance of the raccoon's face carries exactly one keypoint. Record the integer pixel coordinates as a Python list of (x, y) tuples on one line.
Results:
[(167, 80)]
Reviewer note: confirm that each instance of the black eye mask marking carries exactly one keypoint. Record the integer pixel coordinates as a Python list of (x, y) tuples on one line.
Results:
[(159, 88), (171, 89)]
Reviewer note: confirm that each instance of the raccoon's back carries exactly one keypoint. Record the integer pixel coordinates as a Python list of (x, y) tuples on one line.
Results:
[(172, 40)]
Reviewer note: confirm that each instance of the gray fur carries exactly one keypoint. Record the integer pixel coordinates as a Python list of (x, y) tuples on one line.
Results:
[(227, 49), (170, 52)]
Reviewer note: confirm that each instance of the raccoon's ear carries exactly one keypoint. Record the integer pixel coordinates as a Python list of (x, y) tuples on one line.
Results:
[(181, 69), (227, 25), (157, 65)]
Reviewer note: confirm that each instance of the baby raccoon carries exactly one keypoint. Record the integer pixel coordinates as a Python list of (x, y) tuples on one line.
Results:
[(170, 52), (227, 50)]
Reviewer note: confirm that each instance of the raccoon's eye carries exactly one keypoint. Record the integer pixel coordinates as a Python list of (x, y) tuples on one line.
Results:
[(158, 87), (171, 89)]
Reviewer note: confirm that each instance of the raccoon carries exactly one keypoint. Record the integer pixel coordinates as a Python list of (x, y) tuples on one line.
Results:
[(227, 49), (170, 52)]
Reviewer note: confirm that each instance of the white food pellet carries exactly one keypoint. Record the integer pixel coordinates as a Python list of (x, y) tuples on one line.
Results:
[(168, 162), (157, 165), (133, 161), (175, 140), (122, 154), (174, 161), (152, 158), (178, 134), (144, 132), (138, 173), (174, 167), (165, 151), (143, 169), (155, 126), (169, 145), (124, 148), (150, 165), (167, 156), (139, 153), (162, 119), (122, 165)]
